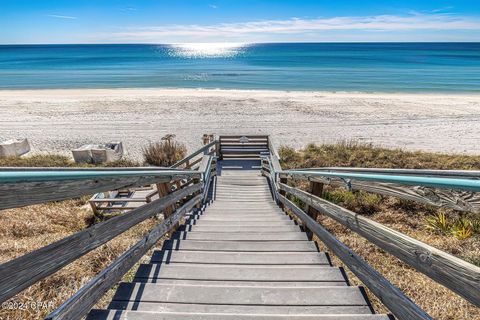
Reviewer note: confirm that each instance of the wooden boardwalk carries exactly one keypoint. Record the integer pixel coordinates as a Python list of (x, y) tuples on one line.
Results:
[(241, 257)]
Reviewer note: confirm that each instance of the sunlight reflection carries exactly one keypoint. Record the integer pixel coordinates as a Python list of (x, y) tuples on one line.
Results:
[(206, 50)]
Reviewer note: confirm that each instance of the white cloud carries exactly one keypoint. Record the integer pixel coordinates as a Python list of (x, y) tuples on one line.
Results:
[(213, 6), (61, 16), (298, 28)]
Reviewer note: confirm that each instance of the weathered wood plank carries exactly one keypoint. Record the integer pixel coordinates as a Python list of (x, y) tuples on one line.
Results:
[(27, 193), (83, 300), (443, 198), (194, 154), (249, 136), (238, 295), (472, 174), (189, 164), (454, 273), (392, 297), (26, 270)]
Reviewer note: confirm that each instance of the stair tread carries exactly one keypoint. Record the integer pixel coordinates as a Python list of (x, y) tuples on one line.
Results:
[(253, 246), (240, 272), (238, 295), (222, 228), (97, 314), (283, 258), (238, 309), (241, 236)]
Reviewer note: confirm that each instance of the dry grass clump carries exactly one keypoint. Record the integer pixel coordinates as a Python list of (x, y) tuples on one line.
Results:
[(164, 153), (357, 154), (440, 228), (55, 160), (48, 160), (25, 229)]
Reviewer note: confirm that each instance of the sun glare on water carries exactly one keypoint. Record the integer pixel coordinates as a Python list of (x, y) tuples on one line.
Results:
[(206, 50)]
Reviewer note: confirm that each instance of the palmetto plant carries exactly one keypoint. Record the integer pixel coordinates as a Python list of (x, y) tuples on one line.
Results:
[(439, 223)]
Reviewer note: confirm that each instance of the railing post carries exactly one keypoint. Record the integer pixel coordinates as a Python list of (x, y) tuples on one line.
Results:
[(282, 192), (315, 188), (206, 140), (163, 190), (195, 181)]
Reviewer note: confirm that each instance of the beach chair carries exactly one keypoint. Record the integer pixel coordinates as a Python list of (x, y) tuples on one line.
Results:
[(122, 200)]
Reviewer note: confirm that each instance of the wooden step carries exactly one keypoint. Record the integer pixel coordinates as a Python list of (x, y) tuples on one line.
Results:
[(240, 236), (231, 295), (297, 273), (247, 246), (241, 229), (219, 223), (240, 213), (97, 314), (243, 283), (239, 258), (271, 216), (240, 309), (241, 218)]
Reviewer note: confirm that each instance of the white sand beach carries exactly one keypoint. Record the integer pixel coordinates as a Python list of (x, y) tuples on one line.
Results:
[(56, 121)]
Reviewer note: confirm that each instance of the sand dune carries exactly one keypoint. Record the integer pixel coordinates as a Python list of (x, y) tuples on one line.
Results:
[(59, 120)]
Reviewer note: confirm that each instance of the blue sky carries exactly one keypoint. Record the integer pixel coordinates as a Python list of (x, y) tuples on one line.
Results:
[(168, 21)]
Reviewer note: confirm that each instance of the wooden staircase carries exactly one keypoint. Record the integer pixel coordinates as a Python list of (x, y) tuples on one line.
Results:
[(241, 257)]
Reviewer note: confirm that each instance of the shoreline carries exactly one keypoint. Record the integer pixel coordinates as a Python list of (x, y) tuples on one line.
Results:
[(163, 90), (57, 120)]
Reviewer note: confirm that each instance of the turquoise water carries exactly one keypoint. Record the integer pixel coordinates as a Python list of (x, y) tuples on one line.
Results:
[(382, 67)]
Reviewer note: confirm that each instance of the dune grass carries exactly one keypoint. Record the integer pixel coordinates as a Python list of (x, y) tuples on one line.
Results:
[(419, 221), (54, 160)]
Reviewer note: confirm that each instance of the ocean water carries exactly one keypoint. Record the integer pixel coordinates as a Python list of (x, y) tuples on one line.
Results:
[(368, 67)]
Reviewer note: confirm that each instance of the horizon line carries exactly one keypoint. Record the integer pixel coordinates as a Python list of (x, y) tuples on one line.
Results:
[(226, 42)]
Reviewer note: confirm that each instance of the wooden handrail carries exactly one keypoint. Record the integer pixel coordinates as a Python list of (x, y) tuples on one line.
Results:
[(194, 154), (83, 300), (424, 181), (468, 174), (206, 169), (67, 185), (454, 273), (391, 296), (457, 193), (26, 270)]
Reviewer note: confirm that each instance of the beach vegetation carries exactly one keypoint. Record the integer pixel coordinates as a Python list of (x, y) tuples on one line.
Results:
[(164, 153), (55, 160), (449, 230), (351, 153)]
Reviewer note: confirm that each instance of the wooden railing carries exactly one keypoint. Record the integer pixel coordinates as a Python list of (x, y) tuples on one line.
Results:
[(180, 190), (452, 189)]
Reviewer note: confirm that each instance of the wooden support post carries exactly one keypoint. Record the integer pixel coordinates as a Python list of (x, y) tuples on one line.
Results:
[(163, 190), (282, 192), (199, 204), (315, 188)]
